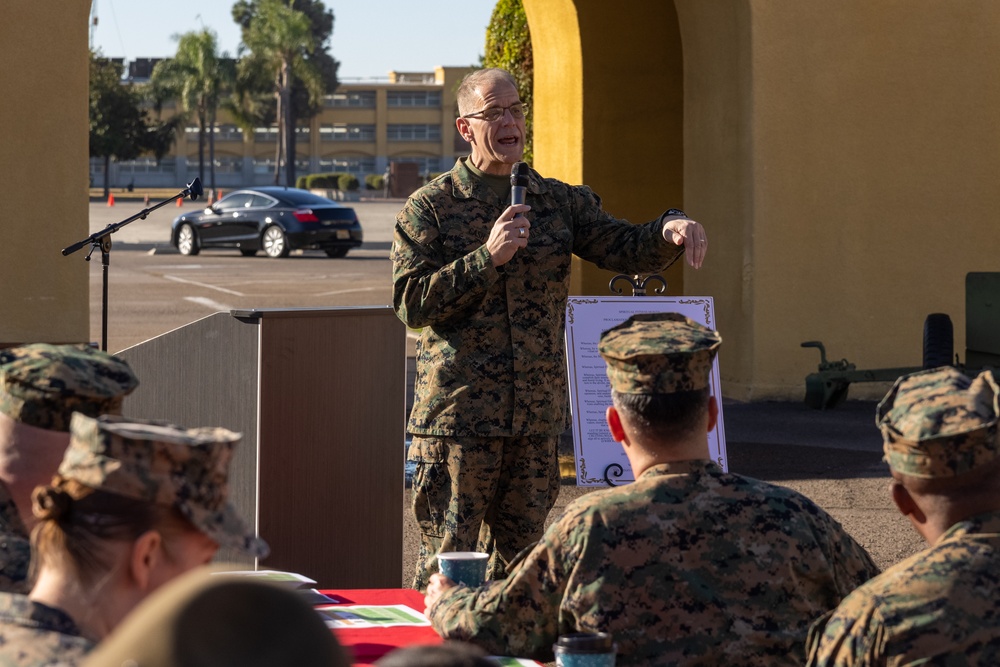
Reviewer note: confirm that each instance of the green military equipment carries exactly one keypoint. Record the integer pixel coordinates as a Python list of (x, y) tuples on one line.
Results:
[(828, 386)]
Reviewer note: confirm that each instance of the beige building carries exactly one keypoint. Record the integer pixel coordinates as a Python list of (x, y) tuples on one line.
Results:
[(361, 129)]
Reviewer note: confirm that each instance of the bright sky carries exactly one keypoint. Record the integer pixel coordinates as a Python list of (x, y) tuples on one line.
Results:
[(370, 37)]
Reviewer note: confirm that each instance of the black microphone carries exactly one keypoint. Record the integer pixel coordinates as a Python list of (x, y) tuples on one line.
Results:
[(195, 189), (518, 182)]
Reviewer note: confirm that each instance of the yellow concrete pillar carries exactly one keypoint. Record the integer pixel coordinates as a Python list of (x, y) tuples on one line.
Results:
[(609, 110), (43, 168)]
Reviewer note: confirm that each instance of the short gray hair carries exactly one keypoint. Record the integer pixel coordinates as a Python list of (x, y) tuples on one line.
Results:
[(467, 90)]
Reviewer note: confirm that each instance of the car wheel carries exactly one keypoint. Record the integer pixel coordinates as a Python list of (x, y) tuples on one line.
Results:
[(336, 253), (187, 240), (274, 242), (247, 252)]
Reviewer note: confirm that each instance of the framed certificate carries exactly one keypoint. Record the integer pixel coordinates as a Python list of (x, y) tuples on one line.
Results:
[(601, 461)]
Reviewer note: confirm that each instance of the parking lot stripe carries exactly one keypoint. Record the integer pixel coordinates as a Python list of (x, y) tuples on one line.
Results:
[(195, 282), (214, 305), (348, 291)]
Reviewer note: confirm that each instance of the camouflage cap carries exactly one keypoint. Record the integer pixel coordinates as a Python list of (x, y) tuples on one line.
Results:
[(939, 423), (43, 385), (162, 464), (658, 353)]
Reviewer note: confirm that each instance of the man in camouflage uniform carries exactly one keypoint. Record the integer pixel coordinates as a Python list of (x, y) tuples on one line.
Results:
[(488, 289), (153, 462), (41, 386), (942, 605), (688, 565)]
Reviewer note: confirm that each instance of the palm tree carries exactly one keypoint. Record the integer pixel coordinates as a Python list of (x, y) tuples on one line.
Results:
[(278, 39), (198, 76)]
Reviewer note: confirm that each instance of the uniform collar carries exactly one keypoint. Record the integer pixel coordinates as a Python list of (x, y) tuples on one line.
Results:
[(466, 185), (23, 611), (691, 467), (987, 522)]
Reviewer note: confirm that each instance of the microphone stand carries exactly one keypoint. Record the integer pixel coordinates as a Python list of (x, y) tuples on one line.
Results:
[(102, 240)]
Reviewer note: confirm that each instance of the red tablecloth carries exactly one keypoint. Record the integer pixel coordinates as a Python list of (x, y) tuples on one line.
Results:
[(369, 644)]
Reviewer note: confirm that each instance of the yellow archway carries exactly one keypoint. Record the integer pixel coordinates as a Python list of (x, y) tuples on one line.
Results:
[(609, 109)]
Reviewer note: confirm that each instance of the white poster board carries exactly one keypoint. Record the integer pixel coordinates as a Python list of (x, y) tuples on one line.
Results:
[(599, 459)]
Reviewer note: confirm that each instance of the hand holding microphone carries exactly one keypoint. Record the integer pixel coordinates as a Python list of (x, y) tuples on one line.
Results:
[(511, 230)]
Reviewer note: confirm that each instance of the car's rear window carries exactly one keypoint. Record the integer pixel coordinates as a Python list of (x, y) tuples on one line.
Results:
[(301, 198)]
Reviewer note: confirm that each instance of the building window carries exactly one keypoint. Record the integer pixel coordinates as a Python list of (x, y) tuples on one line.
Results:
[(263, 165), (406, 132), (302, 135), (223, 165), (266, 166), (227, 132), (414, 98), (355, 98), (352, 164), (426, 164), (142, 165), (346, 132), (263, 134)]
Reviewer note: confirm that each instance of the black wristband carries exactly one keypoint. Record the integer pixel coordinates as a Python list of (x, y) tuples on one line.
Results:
[(675, 211)]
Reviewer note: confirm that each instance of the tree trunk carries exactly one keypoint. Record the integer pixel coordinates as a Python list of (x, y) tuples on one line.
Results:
[(277, 151), (201, 145), (287, 121), (211, 148), (107, 176), (289, 141)]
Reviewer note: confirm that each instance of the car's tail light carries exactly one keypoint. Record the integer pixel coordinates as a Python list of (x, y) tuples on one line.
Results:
[(305, 215)]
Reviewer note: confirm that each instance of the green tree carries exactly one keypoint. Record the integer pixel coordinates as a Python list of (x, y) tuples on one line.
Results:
[(287, 40), (508, 46), (161, 132), (118, 126), (198, 76)]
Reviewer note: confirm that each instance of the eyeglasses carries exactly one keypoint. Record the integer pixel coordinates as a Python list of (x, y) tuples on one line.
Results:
[(491, 114)]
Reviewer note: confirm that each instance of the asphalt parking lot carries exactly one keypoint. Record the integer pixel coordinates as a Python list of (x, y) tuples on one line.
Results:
[(153, 289)]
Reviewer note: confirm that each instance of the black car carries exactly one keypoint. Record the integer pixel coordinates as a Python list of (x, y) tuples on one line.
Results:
[(275, 219)]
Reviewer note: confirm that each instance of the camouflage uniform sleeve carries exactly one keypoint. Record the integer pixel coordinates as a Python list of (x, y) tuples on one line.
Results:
[(848, 636), (618, 245), (427, 289), (519, 616), (851, 565)]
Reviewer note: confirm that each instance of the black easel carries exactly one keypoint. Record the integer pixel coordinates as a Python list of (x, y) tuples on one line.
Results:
[(102, 240)]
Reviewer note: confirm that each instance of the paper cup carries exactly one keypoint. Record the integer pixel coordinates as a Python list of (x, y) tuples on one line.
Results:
[(585, 649), (464, 567)]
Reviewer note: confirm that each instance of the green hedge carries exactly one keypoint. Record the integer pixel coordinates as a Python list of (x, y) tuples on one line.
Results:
[(374, 182), (348, 182), (329, 181)]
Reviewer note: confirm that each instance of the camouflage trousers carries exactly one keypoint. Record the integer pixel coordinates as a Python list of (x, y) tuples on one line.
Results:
[(481, 494)]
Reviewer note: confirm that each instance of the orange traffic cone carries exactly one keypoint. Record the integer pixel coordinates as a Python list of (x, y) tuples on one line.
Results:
[(220, 193), (180, 201), (111, 199), (210, 197)]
